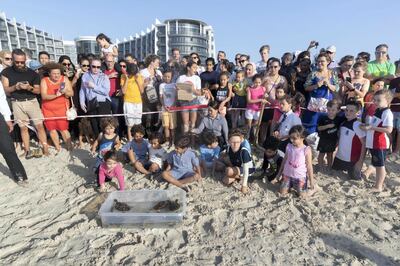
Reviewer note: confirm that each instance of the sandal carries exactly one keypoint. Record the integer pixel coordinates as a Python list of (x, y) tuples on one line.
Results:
[(37, 153)]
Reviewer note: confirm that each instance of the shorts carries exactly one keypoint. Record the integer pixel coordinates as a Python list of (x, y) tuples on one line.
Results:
[(341, 165), (57, 124), (326, 146), (179, 174), (189, 103), (378, 157), (268, 115), (251, 170), (396, 120), (133, 113), (300, 185), (27, 110), (252, 115), (169, 120), (239, 101), (146, 164)]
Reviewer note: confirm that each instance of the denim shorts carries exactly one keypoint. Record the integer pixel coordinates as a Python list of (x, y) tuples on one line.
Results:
[(189, 103), (300, 185)]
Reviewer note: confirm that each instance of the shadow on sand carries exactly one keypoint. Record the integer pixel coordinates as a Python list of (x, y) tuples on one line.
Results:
[(346, 244)]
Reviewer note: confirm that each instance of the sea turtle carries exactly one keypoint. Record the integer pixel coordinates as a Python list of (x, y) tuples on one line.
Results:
[(167, 204), (121, 206)]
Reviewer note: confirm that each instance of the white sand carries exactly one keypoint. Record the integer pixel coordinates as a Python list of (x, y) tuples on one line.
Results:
[(53, 221)]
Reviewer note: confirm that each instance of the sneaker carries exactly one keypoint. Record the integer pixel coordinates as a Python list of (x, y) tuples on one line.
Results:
[(29, 155)]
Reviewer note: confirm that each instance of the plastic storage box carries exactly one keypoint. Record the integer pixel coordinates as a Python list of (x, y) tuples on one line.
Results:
[(141, 203)]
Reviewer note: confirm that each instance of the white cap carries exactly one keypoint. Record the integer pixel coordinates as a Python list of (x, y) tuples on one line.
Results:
[(331, 49)]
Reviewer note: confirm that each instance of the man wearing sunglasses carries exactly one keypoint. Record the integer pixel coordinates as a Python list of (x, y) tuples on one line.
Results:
[(94, 95), (22, 84)]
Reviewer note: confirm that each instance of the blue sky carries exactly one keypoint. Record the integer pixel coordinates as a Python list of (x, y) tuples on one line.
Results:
[(239, 26)]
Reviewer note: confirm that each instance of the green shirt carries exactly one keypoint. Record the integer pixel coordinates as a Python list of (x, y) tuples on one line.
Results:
[(381, 70)]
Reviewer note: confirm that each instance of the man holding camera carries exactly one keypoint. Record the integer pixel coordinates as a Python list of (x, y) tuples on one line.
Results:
[(23, 85)]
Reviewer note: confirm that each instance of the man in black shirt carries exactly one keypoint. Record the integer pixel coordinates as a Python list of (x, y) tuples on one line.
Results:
[(22, 85)]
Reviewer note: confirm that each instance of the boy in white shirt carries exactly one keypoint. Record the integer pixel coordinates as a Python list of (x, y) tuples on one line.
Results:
[(168, 99), (287, 120)]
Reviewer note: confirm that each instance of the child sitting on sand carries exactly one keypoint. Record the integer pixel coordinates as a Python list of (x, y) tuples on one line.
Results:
[(240, 163), (183, 165), (139, 150), (111, 168), (272, 159), (296, 167), (108, 140), (209, 152), (157, 154)]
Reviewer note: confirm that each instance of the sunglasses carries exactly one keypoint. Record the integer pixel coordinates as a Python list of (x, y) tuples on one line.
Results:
[(96, 66), (66, 64), (380, 52), (329, 52), (7, 58), (85, 65), (19, 62), (242, 61), (123, 66)]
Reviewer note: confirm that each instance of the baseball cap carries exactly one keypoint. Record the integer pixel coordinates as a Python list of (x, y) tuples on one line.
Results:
[(35, 65), (331, 49)]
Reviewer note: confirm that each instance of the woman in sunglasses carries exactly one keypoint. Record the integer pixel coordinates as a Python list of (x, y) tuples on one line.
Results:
[(69, 67), (5, 60), (196, 58), (94, 96)]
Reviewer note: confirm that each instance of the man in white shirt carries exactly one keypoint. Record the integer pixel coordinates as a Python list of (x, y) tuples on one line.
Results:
[(261, 65)]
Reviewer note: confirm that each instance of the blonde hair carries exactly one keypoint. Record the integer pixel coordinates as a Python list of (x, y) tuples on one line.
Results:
[(3, 54)]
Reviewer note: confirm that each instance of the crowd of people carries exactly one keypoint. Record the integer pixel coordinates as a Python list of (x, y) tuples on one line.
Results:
[(302, 106)]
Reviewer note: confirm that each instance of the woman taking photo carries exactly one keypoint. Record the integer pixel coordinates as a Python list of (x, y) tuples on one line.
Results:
[(345, 74), (132, 88), (321, 84), (56, 90)]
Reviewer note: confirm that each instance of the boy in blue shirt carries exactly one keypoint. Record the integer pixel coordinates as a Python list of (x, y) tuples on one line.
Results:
[(209, 152), (183, 165)]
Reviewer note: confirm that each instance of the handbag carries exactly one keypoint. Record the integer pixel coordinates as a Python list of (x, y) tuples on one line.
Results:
[(71, 112)]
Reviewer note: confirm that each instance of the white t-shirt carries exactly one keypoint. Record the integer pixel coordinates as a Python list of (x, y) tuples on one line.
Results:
[(146, 73), (197, 85), (168, 93), (108, 50), (157, 156), (286, 123)]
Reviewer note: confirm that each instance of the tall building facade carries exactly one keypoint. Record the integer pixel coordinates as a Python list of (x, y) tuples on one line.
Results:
[(18, 35), (187, 35), (87, 45)]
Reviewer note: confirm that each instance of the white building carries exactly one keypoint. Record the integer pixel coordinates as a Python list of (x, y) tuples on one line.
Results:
[(18, 35), (187, 35)]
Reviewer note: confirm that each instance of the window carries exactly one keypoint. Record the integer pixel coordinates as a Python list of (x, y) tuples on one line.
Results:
[(31, 36), (40, 39), (4, 45), (49, 42), (59, 51), (32, 45)]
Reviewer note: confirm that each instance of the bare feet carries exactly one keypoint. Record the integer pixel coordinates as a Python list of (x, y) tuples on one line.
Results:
[(244, 189)]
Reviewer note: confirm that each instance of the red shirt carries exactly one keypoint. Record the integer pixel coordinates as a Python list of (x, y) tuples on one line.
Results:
[(114, 82)]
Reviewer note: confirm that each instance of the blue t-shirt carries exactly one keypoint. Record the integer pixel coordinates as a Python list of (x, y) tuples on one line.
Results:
[(141, 150), (183, 162), (207, 154)]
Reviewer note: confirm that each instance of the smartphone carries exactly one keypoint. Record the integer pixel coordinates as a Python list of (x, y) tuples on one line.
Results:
[(25, 82), (62, 87), (348, 79)]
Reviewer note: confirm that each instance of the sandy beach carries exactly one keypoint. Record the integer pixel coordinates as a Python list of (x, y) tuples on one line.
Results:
[(53, 221)]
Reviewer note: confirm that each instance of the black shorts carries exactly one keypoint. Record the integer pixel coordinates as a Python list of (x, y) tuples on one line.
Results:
[(326, 145), (268, 115), (378, 157), (239, 102), (341, 165)]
